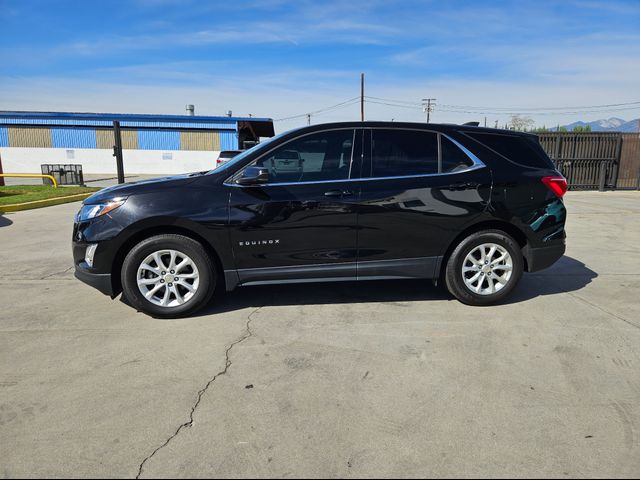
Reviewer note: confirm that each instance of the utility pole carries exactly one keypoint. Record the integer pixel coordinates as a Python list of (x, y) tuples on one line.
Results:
[(427, 106), (1, 178), (362, 97), (485, 122), (117, 151)]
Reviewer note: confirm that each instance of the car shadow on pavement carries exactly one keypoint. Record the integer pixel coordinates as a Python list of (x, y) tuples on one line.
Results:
[(567, 275), (4, 221), (327, 293)]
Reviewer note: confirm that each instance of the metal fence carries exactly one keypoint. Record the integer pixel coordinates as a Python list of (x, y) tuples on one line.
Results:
[(629, 169), (64, 174), (591, 161)]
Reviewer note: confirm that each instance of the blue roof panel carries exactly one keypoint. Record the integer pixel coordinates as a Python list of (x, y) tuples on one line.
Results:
[(229, 125), (124, 117)]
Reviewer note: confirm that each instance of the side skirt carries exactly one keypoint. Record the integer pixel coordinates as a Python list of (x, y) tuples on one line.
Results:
[(406, 268)]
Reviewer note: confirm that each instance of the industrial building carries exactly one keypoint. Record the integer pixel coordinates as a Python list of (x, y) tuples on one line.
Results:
[(152, 144)]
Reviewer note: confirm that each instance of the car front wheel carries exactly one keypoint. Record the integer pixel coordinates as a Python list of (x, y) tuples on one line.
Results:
[(484, 268), (168, 276)]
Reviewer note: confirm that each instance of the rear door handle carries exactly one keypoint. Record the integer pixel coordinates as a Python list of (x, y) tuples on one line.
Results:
[(338, 193), (463, 186)]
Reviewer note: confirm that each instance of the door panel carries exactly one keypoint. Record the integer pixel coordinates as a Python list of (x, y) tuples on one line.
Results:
[(291, 225), (414, 218)]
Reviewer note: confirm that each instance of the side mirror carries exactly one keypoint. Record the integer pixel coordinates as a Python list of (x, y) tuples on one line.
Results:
[(253, 176)]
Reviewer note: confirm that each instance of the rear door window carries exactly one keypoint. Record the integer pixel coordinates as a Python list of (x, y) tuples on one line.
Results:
[(398, 153), (518, 149)]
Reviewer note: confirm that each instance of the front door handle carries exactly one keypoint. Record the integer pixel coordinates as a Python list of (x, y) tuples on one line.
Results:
[(338, 193)]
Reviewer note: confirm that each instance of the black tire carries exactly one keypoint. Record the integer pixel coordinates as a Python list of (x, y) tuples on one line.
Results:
[(454, 273), (194, 250)]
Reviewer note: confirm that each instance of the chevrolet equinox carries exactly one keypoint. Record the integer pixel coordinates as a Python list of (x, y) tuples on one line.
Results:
[(469, 206)]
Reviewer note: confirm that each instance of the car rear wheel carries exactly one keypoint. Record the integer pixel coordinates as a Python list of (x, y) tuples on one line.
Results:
[(484, 268), (168, 276)]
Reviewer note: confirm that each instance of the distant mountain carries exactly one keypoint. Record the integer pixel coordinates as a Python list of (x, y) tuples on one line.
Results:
[(612, 124)]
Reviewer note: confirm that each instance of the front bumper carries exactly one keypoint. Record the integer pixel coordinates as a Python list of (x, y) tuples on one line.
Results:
[(100, 281), (543, 257)]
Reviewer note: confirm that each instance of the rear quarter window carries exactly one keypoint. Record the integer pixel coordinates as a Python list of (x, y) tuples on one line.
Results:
[(517, 149), (453, 159)]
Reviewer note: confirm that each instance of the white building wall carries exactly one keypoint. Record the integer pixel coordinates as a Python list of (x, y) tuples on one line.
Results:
[(98, 161)]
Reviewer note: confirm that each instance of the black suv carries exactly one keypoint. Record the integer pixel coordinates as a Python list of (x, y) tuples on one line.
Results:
[(471, 206)]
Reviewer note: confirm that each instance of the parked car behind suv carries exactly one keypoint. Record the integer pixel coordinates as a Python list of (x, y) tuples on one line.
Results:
[(473, 207), (226, 155)]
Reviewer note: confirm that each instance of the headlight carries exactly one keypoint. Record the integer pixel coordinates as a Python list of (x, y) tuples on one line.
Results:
[(87, 212)]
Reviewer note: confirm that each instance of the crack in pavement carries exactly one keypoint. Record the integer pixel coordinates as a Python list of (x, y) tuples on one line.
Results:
[(597, 307), (56, 273), (247, 334)]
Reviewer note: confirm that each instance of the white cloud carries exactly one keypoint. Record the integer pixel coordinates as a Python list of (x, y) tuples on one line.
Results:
[(524, 54), (297, 92)]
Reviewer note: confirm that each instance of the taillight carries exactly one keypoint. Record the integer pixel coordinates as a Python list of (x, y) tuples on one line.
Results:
[(557, 184)]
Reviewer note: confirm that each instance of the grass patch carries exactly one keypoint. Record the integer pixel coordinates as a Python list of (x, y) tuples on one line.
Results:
[(30, 193)]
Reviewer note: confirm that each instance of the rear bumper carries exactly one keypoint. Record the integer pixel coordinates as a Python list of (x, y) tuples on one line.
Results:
[(540, 258), (100, 281)]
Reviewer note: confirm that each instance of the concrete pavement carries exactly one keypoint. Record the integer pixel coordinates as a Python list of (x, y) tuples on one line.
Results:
[(377, 379)]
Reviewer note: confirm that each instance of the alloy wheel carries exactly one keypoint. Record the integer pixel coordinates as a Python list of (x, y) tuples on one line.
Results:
[(168, 278), (487, 269)]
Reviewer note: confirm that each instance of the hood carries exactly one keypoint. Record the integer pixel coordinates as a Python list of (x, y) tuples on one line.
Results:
[(142, 186)]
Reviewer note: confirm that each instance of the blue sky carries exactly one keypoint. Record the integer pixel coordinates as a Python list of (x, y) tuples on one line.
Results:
[(280, 58)]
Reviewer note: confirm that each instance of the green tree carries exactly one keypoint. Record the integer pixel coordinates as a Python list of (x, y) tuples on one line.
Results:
[(542, 129)]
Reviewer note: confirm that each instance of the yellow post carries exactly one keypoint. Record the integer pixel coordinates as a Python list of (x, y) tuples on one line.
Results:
[(30, 175)]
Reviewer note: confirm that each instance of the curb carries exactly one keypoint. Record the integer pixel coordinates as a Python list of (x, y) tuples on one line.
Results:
[(16, 207)]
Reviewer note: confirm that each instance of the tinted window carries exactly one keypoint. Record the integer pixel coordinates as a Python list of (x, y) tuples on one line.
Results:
[(453, 159), (228, 154), (522, 150), (315, 157), (403, 152)]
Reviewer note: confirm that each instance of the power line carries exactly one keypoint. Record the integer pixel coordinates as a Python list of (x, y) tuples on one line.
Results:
[(470, 110), (512, 108), (479, 111), (536, 113), (395, 101), (388, 101), (531, 109), (417, 107), (346, 103)]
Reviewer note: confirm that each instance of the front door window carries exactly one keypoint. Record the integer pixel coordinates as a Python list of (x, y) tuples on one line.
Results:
[(312, 158)]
